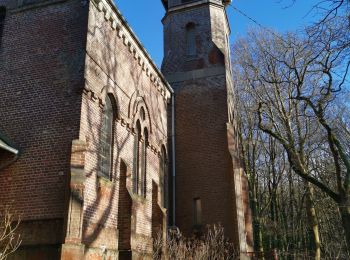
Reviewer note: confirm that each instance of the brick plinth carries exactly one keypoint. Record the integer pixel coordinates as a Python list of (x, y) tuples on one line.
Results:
[(72, 251)]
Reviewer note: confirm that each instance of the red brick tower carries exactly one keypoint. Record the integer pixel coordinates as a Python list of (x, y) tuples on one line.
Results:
[(210, 185)]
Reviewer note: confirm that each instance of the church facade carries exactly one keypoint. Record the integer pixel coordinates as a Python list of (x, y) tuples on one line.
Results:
[(100, 151)]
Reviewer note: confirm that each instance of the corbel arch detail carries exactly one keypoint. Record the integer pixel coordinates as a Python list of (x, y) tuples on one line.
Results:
[(138, 108)]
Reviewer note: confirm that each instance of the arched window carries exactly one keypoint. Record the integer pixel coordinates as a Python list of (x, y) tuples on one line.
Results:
[(191, 49), (136, 167), (163, 174), (106, 139), (2, 20), (143, 170)]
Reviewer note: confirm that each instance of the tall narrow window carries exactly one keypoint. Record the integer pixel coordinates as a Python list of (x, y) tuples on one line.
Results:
[(163, 178), (2, 21), (140, 156), (144, 165), (197, 218), (106, 139), (136, 169), (191, 40)]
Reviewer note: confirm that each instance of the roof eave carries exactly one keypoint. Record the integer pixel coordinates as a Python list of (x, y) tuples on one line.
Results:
[(7, 147)]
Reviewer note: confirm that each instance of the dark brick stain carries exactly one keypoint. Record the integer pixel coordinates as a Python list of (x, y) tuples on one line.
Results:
[(216, 56)]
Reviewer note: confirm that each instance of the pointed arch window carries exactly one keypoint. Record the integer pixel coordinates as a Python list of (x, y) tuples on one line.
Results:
[(191, 49), (106, 139)]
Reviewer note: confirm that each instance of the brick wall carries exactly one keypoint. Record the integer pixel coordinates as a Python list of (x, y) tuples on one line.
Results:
[(41, 80), (203, 163), (116, 65)]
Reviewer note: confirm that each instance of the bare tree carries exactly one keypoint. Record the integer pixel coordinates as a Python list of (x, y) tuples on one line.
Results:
[(295, 84), (251, 142), (329, 8), (10, 240)]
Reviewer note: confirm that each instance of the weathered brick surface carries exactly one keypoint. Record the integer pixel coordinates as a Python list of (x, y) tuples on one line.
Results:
[(203, 164), (41, 79), (175, 58)]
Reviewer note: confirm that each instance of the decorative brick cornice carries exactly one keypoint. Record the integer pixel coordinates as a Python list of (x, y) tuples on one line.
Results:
[(125, 33)]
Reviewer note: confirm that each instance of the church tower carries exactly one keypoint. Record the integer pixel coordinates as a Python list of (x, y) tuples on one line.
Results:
[(210, 186)]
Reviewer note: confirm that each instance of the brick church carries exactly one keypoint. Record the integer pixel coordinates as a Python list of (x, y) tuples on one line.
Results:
[(99, 149)]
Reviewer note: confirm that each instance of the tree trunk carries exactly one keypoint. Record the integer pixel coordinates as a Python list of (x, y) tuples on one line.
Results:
[(313, 222), (344, 208), (258, 240)]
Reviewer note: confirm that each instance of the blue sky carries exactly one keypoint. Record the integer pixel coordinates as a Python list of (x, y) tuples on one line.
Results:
[(145, 18)]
